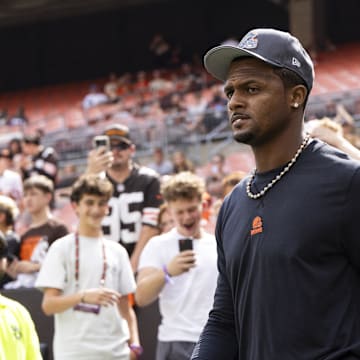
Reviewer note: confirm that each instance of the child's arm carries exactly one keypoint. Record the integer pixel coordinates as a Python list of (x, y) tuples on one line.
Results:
[(23, 267), (55, 302), (128, 313)]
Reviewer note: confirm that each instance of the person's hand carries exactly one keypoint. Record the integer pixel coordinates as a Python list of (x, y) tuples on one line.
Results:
[(135, 351), (99, 160), (101, 296), (133, 356), (181, 263)]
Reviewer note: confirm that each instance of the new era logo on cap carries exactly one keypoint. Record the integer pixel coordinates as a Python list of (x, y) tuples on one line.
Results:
[(275, 47)]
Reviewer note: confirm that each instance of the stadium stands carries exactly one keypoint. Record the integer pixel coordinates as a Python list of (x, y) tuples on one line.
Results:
[(336, 71), (57, 111)]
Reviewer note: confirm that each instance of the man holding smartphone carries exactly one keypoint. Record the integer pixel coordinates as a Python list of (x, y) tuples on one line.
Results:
[(134, 206), (180, 268)]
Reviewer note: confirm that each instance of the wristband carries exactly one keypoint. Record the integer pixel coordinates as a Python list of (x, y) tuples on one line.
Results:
[(168, 279), (136, 349)]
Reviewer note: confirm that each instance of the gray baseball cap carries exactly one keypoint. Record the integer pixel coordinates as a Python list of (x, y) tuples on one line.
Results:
[(275, 47)]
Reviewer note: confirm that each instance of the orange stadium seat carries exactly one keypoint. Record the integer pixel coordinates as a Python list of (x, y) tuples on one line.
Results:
[(94, 114), (55, 123), (74, 117)]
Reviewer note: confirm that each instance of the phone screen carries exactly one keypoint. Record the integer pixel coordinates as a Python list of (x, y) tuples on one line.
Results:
[(185, 244)]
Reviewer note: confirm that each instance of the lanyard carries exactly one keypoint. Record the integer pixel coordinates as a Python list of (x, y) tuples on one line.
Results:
[(77, 261)]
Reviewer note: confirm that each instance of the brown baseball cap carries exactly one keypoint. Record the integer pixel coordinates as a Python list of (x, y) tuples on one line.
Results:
[(118, 132)]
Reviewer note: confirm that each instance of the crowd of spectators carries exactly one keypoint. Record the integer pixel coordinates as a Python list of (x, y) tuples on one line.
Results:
[(29, 209), (145, 101)]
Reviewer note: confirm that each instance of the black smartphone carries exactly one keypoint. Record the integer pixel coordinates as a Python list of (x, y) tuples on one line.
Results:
[(185, 244), (101, 140)]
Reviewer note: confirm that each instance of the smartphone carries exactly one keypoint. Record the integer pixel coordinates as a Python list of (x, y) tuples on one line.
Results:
[(101, 140), (185, 244)]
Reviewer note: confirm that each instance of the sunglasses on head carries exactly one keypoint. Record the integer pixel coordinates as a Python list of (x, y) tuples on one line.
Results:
[(119, 146)]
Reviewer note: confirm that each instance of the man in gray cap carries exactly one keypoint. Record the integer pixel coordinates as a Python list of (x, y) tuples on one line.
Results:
[(287, 236)]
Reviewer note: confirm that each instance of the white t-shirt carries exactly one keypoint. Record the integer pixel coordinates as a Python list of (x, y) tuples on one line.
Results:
[(28, 279), (185, 303), (81, 335)]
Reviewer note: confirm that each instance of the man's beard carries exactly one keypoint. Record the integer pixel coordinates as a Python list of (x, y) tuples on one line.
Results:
[(117, 166), (244, 138)]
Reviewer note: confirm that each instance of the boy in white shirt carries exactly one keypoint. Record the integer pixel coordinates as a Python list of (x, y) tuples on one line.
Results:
[(86, 280), (184, 280)]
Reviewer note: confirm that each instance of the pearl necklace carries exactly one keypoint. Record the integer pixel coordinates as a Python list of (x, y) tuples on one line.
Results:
[(277, 177)]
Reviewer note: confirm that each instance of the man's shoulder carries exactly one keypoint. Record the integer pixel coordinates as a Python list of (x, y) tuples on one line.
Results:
[(142, 176), (147, 172), (56, 223), (115, 246), (326, 154), (164, 240), (52, 224), (13, 305), (64, 240), (47, 152), (157, 248)]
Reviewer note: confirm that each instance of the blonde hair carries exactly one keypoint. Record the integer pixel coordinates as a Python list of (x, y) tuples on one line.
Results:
[(40, 182), (231, 180), (184, 185)]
